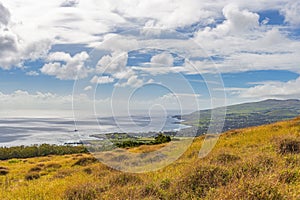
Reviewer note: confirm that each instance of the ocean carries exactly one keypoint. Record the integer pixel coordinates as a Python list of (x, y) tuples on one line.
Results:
[(54, 130)]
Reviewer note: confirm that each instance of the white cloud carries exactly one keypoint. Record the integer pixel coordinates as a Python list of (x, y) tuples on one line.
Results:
[(4, 15), (32, 73), (291, 12), (88, 88), (133, 81), (102, 80), (164, 59), (273, 89), (112, 63), (14, 47), (22, 100), (69, 3), (241, 44), (73, 68), (237, 21)]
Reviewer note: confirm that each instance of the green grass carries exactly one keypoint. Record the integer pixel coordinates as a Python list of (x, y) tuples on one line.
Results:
[(253, 163)]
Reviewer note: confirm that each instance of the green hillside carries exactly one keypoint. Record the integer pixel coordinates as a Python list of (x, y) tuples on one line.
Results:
[(247, 114)]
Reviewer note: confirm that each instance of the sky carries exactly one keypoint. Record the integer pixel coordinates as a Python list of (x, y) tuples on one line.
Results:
[(108, 57)]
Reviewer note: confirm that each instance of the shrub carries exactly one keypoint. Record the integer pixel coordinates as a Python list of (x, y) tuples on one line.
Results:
[(150, 190), (32, 175), (85, 191), (289, 176), (85, 161), (53, 165), (124, 179), (289, 145), (165, 184), (14, 161), (161, 138), (88, 170), (259, 191), (199, 181), (3, 171), (62, 174), (225, 158), (35, 169), (292, 161)]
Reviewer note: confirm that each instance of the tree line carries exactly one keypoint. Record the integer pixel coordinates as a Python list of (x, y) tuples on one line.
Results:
[(39, 151)]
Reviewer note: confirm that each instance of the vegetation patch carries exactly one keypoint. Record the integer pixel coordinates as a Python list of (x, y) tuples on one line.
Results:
[(200, 180), (84, 191), (3, 171), (225, 158), (38, 151), (53, 166), (35, 169), (289, 176), (124, 179), (85, 161), (32, 175), (289, 145)]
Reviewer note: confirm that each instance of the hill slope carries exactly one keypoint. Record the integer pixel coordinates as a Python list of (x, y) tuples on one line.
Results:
[(253, 163), (247, 114)]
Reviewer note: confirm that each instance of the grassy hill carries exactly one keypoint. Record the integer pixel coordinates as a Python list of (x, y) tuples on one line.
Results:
[(252, 163), (247, 114)]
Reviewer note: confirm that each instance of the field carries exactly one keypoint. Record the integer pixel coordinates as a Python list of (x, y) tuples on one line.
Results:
[(252, 163)]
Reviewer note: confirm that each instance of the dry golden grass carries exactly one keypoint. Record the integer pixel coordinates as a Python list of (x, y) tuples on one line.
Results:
[(253, 163)]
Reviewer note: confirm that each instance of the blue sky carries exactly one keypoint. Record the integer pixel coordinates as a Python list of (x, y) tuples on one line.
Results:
[(120, 55)]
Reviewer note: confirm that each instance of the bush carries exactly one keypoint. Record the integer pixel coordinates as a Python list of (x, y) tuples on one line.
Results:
[(85, 191), (35, 169), (289, 176), (289, 145), (225, 158), (88, 170), (150, 190), (161, 138), (124, 179), (259, 191), (165, 184), (85, 161), (199, 181), (53, 165), (63, 174), (3, 171), (32, 176), (292, 161)]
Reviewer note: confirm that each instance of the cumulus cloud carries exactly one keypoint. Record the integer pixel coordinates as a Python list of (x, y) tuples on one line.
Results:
[(65, 67), (165, 59), (238, 21), (112, 63), (22, 100), (133, 81), (241, 44), (32, 73), (70, 3), (4, 15), (88, 88), (273, 89), (291, 12), (14, 47), (102, 80)]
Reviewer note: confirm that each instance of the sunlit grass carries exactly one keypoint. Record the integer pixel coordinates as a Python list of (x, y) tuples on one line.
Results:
[(251, 163)]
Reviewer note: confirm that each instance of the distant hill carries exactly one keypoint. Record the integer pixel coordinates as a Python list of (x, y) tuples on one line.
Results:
[(246, 114)]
